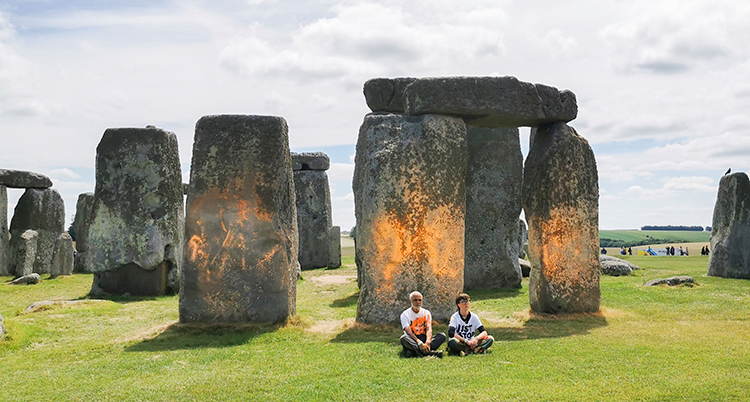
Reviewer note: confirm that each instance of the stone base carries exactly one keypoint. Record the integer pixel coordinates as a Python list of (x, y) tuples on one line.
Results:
[(134, 280)]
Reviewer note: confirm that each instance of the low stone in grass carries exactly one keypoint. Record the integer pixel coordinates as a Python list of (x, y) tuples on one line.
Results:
[(671, 281), (614, 266), (30, 279), (2, 327)]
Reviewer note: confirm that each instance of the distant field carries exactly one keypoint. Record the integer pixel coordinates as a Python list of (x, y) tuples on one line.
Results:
[(674, 236)]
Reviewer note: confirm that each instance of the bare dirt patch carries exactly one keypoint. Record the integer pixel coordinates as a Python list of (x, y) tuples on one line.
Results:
[(324, 280), (326, 327), (146, 333)]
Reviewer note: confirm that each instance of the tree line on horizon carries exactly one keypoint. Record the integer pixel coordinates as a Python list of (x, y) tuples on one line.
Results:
[(670, 227)]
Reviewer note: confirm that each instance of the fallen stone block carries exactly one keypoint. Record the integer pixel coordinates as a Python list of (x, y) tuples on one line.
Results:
[(30, 279), (671, 281)]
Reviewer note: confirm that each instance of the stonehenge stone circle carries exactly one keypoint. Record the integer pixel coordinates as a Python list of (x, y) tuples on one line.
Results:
[(42, 210), (136, 231), (493, 203), (23, 252), (334, 247), (386, 94), (23, 179), (490, 101), (62, 256), (313, 200), (4, 244), (409, 190), (730, 232), (81, 224), (241, 225), (561, 203)]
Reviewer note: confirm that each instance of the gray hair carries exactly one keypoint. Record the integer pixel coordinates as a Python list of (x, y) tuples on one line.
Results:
[(412, 294)]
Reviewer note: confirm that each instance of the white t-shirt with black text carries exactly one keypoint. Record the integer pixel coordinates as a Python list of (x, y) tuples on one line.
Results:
[(466, 329)]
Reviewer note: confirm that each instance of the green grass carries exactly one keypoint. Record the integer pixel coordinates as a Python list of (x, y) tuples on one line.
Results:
[(649, 344), (677, 236)]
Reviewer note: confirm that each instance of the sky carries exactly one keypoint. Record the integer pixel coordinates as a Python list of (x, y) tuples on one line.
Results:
[(663, 87)]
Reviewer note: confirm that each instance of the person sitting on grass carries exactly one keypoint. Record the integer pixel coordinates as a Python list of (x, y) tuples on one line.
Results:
[(417, 339), (463, 330)]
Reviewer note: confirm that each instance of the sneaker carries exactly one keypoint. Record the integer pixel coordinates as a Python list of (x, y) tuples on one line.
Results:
[(462, 353), (437, 353)]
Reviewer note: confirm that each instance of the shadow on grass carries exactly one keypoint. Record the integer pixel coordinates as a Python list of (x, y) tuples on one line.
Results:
[(121, 299), (536, 327), (348, 301), (198, 336), (541, 327)]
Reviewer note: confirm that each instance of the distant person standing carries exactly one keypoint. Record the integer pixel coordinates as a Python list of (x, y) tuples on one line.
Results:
[(604, 250), (630, 251), (682, 252), (672, 250)]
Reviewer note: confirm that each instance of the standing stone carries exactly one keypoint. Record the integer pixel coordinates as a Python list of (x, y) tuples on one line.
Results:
[(4, 244), (241, 225), (493, 203), (561, 202), (334, 247), (523, 239), (410, 206), (62, 256), (81, 225), (313, 198), (135, 236), (42, 210), (23, 251), (730, 233)]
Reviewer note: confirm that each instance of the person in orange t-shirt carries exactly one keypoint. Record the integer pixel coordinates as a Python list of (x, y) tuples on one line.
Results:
[(417, 339)]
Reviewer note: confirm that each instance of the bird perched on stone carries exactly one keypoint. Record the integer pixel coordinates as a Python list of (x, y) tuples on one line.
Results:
[(728, 171)]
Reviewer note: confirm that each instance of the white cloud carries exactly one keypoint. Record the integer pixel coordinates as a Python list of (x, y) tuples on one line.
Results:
[(64, 173)]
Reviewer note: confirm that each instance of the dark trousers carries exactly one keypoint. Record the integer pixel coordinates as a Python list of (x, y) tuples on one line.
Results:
[(409, 344)]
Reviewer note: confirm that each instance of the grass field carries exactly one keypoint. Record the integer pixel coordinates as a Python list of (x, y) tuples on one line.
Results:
[(680, 236), (648, 344)]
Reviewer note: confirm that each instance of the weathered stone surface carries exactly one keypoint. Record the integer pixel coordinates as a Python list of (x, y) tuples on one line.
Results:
[(730, 233), (42, 210), (525, 267), (490, 101), (138, 214), (81, 225), (386, 94), (62, 256), (671, 281), (23, 179), (561, 203), (29, 279), (493, 203), (241, 225), (614, 266), (313, 198), (523, 239), (4, 238), (23, 252), (310, 161), (334, 247), (409, 193)]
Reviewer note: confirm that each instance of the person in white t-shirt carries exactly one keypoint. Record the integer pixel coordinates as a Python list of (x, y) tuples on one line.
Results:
[(417, 339), (466, 332)]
